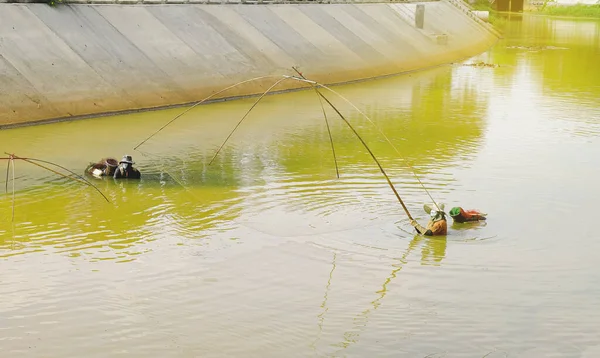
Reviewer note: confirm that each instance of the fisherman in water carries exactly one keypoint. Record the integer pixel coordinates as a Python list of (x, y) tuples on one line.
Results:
[(125, 170), (437, 224)]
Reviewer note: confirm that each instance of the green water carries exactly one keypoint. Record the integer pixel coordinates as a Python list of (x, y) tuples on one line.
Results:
[(265, 253)]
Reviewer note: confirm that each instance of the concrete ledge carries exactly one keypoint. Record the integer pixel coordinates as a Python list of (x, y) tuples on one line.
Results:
[(69, 62)]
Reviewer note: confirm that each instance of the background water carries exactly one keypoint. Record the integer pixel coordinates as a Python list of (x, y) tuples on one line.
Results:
[(265, 253)]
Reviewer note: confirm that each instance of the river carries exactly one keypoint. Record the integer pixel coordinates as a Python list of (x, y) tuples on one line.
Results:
[(265, 253)]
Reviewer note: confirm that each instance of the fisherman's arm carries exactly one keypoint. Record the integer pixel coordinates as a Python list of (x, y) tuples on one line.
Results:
[(420, 229)]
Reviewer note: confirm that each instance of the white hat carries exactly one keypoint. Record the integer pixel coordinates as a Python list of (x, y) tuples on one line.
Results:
[(127, 159)]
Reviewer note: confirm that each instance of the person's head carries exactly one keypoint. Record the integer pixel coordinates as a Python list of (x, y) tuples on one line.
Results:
[(126, 161), (455, 212), (436, 211)]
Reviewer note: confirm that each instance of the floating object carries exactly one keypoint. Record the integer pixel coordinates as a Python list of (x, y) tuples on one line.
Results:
[(105, 167), (481, 64), (537, 48), (460, 215)]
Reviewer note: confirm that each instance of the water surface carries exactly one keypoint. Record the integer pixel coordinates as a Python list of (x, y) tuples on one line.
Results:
[(266, 253)]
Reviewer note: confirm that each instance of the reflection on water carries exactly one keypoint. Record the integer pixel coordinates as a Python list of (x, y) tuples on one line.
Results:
[(433, 250), (266, 253)]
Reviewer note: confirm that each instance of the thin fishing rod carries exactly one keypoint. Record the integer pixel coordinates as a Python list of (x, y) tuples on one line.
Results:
[(199, 103), (29, 160), (337, 171), (13, 188), (7, 170), (372, 155), (67, 177), (312, 83), (84, 181), (77, 176), (370, 152), (378, 129), (257, 101), (245, 115)]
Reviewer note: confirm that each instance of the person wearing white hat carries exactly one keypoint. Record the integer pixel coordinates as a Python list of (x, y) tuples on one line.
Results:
[(125, 170), (437, 225)]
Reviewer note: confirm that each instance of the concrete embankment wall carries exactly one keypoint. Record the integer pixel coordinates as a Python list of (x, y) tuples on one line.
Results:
[(74, 60)]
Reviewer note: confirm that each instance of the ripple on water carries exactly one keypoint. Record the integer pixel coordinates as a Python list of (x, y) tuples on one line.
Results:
[(324, 198)]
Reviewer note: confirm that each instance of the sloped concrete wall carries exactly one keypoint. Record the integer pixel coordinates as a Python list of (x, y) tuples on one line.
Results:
[(88, 59)]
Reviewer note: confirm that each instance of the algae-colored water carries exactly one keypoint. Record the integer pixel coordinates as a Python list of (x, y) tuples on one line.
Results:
[(266, 254)]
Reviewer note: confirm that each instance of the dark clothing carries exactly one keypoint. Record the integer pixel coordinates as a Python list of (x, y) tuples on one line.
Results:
[(129, 173)]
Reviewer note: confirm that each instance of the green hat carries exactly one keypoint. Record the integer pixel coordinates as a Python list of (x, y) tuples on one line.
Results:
[(455, 211)]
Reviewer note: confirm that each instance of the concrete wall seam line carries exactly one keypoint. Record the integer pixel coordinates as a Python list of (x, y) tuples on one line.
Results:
[(159, 75), (251, 35), (317, 35), (118, 92), (363, 49)]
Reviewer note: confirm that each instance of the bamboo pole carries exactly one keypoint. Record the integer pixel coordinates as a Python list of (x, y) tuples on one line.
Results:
[(387, 178), (313, 84), (380, 132)]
